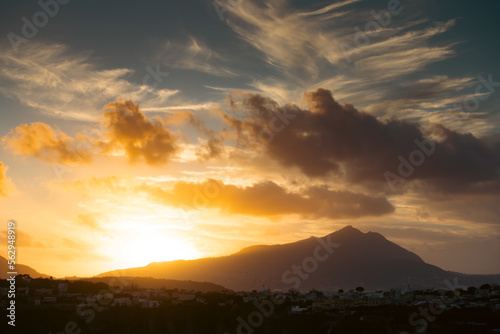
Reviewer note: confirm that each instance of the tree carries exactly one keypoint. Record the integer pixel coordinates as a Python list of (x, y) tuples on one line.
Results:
[(360, 289), (471, 290), (485, 287), (341, 291), (317, 293), (24, 276), (294, 293)]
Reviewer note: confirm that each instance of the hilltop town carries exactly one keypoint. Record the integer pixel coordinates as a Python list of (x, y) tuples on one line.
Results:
[(83, 304)]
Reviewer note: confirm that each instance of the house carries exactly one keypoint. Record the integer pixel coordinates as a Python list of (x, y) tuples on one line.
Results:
[(248, 299), (23, 289), (62, 288), (343, 303), (49, 299), (482, 293), (377, 301), (125, 301), (108, 296), (298, 309), (145, 303), (43, 292), (187, 296), (140, 294)]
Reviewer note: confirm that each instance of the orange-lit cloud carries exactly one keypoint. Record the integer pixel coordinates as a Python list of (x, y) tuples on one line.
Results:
[(109, 184), (125, 128), (24, 240), (270, 199), (41, 141), (88, 220), (3, 180), (141, 138)]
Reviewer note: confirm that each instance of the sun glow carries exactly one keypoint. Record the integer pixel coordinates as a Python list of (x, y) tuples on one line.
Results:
[(140, 249)]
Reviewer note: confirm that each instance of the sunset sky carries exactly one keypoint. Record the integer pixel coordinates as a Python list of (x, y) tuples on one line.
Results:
[(141, 131)]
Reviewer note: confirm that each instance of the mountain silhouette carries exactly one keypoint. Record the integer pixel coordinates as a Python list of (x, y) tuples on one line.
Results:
[(347, 258), (155, 283), (20, 269)]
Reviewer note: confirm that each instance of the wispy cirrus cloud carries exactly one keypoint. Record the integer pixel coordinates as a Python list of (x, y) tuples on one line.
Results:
[(330, 47), (57, 81), (290, 39), (193, 54)]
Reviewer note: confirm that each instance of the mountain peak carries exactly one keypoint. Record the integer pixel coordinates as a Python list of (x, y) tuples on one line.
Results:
[(349, 230), (361, 259)]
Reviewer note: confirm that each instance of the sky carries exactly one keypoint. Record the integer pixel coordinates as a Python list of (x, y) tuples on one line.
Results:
[(142, 131)]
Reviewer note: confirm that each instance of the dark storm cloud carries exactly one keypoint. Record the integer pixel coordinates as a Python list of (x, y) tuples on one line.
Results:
[(333, 138)]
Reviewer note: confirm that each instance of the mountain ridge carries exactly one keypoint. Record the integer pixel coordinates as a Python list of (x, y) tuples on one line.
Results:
[(361, 259), (20, 269)]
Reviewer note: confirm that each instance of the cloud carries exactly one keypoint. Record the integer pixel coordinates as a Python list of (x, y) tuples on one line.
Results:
[(211, 148), (124, 128), (57, 81), (281, 35), (142, 139), (24, 240), (88, 220), (41, 141), (329, 8), (268, 199), (195, 55), (332, 48), (298, 41), (4, 181), (333, 138), (401, 63), (103, 185)]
